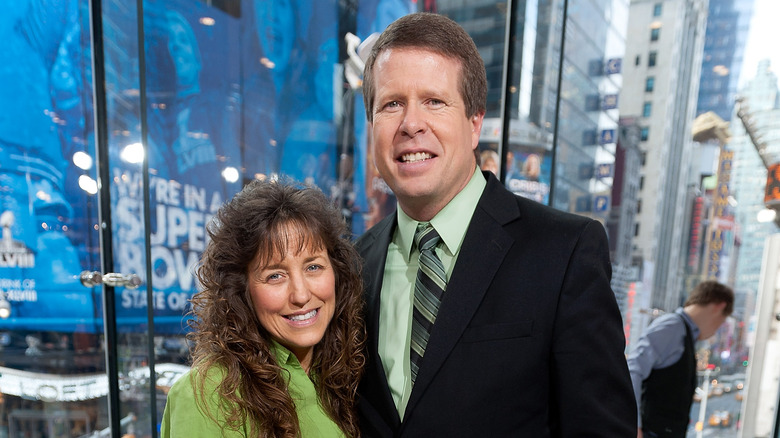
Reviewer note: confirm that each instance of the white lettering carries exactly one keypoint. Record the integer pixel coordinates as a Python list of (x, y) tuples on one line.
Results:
[(177, 225), (166, 191), (197, 231), (216, 202), (128, 185), (177, 301), (194, 197), (163, 274), (17, 259), (128, 215)]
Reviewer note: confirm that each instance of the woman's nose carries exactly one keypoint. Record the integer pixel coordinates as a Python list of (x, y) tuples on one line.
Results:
[(300, 294)]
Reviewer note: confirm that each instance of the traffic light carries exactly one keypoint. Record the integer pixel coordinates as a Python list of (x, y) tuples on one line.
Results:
[(744, 363)]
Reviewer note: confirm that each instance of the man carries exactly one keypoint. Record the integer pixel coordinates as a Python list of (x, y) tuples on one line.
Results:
[(663, 364), (527, 339)]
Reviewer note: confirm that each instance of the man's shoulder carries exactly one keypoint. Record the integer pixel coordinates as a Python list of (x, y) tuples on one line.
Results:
[(501, 202), (667, 322), (551, 222), (365, 240)]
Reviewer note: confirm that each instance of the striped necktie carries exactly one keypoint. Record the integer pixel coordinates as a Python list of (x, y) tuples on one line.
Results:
[(428, 290)]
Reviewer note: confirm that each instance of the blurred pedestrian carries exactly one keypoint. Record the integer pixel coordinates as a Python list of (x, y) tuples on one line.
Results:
[(663, 364)]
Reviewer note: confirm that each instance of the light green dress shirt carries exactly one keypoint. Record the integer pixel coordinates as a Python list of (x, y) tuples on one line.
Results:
[(184, 418), (397, 296)]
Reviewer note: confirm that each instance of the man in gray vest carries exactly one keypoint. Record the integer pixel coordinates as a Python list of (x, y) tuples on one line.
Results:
[(663, 364)]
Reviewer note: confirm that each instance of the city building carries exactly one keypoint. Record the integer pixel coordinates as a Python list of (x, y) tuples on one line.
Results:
[(620, 226), (728, 23), (661, 75), (760, 100), (561, 147)]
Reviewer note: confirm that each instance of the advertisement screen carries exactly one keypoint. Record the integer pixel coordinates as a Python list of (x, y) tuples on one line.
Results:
[(225, 96)]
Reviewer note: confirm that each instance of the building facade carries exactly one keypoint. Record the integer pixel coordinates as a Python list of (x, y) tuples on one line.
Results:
[(728, 23), (662, 68), (761, 101)]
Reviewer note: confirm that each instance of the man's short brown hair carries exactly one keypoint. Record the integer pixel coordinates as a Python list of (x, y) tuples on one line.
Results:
[(711, 291), (438, 34)]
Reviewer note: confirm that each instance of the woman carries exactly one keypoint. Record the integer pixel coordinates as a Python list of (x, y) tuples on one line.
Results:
[(278, 330)]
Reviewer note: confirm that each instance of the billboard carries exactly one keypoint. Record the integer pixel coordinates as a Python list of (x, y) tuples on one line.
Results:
[(256, 91)]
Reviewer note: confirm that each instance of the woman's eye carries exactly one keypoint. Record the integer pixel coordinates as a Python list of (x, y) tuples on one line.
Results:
[(313, 268), (273, 277)]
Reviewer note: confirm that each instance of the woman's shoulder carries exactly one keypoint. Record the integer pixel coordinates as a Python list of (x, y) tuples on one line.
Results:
[(196, 381), (184, 413)]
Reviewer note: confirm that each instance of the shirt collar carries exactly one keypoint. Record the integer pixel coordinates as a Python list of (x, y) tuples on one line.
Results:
[(691, 325), (283, 355), (451, 222)]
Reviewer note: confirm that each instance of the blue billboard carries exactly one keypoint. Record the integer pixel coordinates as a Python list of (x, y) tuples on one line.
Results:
[(253, 91)]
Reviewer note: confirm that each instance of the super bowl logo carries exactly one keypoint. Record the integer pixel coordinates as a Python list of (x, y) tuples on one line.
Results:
[(13, 253)]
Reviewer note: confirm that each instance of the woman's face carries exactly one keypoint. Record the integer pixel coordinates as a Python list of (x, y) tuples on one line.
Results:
[(295, 298)]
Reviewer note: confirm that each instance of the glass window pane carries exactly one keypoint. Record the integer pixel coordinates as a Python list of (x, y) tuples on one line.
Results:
[(52, 369), (529, 154), (647, 109)]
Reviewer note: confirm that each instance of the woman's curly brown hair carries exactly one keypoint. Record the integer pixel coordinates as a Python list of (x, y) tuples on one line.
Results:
[(255, 226)]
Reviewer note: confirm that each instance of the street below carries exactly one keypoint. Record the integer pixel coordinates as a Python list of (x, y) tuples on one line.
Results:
[(725, 402)]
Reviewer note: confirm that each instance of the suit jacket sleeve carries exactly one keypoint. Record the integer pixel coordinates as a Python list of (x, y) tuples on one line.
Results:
[(590, 376)]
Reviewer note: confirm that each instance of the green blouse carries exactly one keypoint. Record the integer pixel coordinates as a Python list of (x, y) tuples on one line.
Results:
[(184, 418)]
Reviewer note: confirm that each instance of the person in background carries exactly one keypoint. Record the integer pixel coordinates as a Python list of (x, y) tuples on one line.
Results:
[(532, 167), (663, 363), (278, 329), (488, 315), (489, 160)]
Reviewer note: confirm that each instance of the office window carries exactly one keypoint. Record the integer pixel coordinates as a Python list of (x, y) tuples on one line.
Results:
[(637, 60), (655, 33), (639, 206), (651, 58), (641, 181), (647, 109), (644, 133), (657, 9), (636, 229), (649, 84)]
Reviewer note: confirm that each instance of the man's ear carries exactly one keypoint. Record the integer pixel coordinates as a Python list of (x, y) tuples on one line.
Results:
[(720, 307), (476, 127)]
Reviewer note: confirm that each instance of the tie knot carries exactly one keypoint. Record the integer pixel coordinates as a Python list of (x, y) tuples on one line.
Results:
[(426, 236)]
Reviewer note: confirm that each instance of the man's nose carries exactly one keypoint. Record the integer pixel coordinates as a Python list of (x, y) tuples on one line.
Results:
[(414, 121)]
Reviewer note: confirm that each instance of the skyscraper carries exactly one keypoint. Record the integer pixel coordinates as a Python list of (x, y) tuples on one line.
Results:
[(661, 81), (728, 22), (761, 100)]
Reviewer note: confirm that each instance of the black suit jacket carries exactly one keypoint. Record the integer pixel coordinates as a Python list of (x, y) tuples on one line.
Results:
[(528, 341)]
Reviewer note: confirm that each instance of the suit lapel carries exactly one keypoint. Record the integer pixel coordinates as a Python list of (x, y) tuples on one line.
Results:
[(373, 248), (483, 251)]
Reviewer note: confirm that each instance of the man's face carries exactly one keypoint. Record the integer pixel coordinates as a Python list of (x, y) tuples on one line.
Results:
[(424, 143), (715, 319)]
